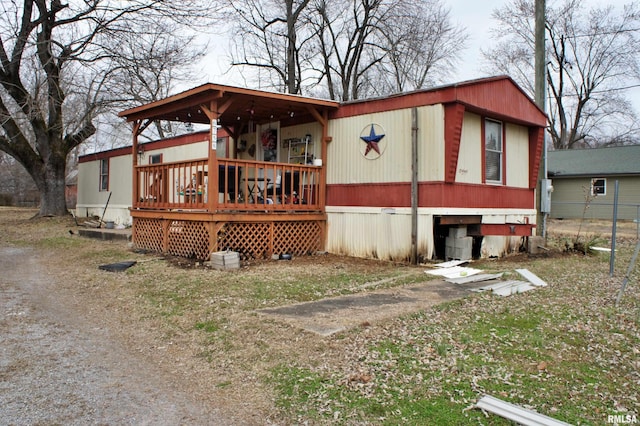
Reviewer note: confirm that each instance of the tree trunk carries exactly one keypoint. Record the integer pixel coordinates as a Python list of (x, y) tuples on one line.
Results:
[(51, 185)]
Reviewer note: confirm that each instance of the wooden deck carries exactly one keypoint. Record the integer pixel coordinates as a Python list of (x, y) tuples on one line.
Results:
[(252, 207)]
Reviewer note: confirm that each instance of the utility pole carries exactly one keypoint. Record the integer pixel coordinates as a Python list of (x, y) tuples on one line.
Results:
[(540, 95)]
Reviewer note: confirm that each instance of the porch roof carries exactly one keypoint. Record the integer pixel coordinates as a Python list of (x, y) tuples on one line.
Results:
[(233, 104)]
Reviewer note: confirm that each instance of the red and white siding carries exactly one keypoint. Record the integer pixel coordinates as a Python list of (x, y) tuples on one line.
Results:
[(369, 200)]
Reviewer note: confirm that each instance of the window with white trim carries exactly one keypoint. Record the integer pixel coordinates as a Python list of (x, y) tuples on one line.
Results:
[(493, 151), (598, 186), (104, 174)]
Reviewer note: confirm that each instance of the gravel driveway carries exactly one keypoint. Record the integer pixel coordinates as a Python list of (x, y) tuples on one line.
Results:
[(57, 368)]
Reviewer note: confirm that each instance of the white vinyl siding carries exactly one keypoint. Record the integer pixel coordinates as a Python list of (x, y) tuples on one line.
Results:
[(516, 141), (348, 166)]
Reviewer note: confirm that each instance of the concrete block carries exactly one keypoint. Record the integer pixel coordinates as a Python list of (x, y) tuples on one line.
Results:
[(458, 232), (225, 260), (458, 248)]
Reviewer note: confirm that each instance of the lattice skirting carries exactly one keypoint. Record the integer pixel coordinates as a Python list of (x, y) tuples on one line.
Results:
[(261, 240), (193, 239)]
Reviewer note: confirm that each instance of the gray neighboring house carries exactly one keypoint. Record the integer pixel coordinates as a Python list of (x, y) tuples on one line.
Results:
[(590, 174)]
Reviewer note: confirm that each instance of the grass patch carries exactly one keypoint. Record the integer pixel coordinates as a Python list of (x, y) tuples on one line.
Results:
[(564, 350)]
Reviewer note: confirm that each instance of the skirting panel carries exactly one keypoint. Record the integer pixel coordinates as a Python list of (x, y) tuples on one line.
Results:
[(261, 240), (148, 234), (188, 239), (253, 240)]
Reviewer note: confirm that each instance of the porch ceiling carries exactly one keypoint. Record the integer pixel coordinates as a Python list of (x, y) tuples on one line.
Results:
[(235, 105)]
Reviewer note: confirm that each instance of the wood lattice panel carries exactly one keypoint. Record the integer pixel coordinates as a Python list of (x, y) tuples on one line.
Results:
[(188, 239), (299, 238), (251, 240), (261, 240), (148, 234)]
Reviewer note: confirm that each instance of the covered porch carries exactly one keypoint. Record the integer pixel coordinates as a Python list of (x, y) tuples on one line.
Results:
[(256, 206)]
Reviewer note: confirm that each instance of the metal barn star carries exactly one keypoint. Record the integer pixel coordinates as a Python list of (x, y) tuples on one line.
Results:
[(372, 141)]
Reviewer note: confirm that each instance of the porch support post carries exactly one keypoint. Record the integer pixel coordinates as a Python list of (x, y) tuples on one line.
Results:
[(212, 164), (323, 171), (134, 157), (323, 119)]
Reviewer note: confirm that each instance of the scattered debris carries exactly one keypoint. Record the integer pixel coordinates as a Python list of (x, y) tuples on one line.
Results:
[(474, 278), (507, 288), (531, 277), (451, 263), (454, 271), (117, 267), (604, 249), (463, 275), (516, 413), (91, 224)]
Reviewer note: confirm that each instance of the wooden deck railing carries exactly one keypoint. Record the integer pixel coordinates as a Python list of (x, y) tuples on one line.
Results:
[(239, 185)]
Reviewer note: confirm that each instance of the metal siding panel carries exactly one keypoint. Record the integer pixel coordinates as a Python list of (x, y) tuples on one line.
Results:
[(345, 163), (181, 153), (431, 146), (120, 184), (470, 158), (88, 185), (377, 235), (517, 155)]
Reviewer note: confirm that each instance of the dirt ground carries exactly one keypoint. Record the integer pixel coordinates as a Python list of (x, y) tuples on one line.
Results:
[(70, 354), (63, 363)]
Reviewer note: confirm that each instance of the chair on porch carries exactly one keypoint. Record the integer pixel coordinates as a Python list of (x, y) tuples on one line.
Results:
[(227, 179), (157, 188), (286, 188)]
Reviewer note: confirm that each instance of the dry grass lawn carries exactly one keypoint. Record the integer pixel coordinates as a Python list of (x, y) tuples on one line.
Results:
[(565, 350)]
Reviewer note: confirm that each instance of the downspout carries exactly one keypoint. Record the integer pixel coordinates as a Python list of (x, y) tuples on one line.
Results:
[(414, 186)]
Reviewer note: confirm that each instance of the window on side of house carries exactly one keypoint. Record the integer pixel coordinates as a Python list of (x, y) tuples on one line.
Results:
[(104, 174), (598, 186), (493, 151), (155, 159)]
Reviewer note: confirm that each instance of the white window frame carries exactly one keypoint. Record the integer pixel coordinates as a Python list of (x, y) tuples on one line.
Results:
[(103, 175), (594, 191), (493, 144)]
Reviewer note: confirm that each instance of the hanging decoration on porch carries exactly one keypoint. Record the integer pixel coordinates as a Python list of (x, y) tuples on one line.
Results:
[(372, 135), (269, 139)]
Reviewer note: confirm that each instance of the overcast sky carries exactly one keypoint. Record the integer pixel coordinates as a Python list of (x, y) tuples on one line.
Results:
[(475, 16)]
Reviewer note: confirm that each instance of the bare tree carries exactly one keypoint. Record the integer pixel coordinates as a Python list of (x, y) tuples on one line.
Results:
[(591, 55), (376, 47), (149, 67), (266, 38), (346, 43), (421, 47), (345, 49), (55, 64)]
